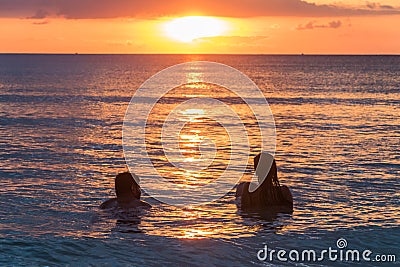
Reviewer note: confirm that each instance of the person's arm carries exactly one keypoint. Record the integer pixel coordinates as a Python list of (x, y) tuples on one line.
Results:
[(245, 201), (239, 189), (145, 205), (135, 203), (286, 193), (111, 203)]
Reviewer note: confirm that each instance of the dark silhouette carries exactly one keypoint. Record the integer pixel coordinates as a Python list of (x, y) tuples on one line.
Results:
[(128, 193), (270, 195)]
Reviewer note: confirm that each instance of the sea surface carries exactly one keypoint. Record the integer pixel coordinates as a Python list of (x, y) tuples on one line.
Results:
[(61, 119)]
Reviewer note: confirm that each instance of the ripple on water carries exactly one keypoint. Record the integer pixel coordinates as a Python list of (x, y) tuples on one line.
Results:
[(60, 132)]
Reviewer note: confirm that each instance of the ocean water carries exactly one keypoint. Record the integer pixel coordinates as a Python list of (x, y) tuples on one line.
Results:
[(61, 117)]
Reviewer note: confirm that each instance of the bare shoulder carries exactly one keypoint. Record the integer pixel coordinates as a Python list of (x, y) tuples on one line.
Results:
[(240, 188), (286, 193), (133, 204), (144, 204), (111, 203)]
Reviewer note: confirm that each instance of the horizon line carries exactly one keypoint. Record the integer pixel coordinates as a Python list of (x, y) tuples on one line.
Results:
[(227, 54)]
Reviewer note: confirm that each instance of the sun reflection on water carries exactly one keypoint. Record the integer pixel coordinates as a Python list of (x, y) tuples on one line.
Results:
[(203, 142)]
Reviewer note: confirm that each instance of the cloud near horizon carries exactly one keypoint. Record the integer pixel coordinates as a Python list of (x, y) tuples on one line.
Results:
[(92, 9), (312, 25), (44, 22), (373, 5)]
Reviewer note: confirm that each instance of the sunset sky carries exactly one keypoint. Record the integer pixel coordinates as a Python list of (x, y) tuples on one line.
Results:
[(200, 26)]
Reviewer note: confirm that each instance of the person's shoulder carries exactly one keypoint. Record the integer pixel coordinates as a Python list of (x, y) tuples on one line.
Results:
[(111, 203), (286, 193), (144, 204), (133, 204), (241, 187)]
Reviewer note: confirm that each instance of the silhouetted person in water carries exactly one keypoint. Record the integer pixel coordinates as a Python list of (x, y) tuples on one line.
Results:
[(128, 193), (270, 195)]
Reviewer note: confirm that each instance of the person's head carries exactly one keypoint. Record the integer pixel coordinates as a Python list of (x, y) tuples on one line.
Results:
[(265, 167), (268, 191), (126, 186)]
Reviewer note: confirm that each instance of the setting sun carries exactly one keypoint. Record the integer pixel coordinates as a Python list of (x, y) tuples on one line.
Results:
[(186, 29)]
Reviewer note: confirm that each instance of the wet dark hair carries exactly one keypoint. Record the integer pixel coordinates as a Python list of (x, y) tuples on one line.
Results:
[(268, 193), (123, 186), (271, 187)]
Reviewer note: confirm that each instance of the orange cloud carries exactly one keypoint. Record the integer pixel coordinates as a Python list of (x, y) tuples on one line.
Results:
[(44, 22), (84, 9), (40, 14), (378, 6), (312, 25)]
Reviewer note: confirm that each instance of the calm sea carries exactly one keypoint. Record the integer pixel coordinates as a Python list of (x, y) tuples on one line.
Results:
[(338, 142)]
